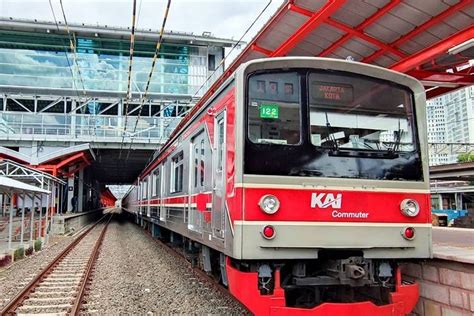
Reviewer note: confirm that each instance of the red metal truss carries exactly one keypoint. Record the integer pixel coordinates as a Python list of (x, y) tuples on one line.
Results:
[(316, 19), (70, 159), (430, 23), (80, 158), (381, 12), (350, 31), (431, 52)]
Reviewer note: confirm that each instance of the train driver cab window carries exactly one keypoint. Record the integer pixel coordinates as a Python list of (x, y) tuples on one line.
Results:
[(360, 113), (274, 108), (177, 175)]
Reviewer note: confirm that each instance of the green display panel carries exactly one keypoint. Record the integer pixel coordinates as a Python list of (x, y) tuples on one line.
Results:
[(269, 111)]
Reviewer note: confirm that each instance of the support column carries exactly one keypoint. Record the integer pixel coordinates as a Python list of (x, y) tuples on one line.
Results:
[(70, 192), (53, 200), (40, 224), (73, 131), (22, 227), (10, 224), (47, 217), (80, 191), (32, 222), (2, 203)]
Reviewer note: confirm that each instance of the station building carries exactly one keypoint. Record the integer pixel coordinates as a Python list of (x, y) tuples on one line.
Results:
[(65, 111)]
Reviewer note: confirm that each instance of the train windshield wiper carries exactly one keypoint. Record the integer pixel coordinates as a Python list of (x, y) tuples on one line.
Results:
[(331, 139)]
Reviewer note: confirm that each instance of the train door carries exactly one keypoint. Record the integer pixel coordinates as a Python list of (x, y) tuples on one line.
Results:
[(219, 183), (197, 182), (162, 191)]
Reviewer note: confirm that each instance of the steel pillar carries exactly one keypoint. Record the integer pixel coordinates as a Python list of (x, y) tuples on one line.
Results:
[(80, 191)]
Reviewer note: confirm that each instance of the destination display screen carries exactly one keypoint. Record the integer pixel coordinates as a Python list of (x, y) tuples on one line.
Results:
[(332, 92)]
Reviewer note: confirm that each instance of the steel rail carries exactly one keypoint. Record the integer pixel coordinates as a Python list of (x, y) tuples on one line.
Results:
[(17, 300), (76, 309), (198, 272)]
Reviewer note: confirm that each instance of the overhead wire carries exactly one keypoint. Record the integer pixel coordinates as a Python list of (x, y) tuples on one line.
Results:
[(128, 96), (221, 62), (150, 74), (65, 51), (72, 46)]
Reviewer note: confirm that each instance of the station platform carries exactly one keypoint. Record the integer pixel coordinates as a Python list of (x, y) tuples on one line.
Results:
[(455, 244), (446, 281), (71, 222)]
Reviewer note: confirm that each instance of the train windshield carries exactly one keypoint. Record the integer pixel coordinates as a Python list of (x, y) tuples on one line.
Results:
[(330, 124), (359, 113)]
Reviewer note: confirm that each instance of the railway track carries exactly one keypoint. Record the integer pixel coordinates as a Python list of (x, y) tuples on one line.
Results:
[(59, 288)]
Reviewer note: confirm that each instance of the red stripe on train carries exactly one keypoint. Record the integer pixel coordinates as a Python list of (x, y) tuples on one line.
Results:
[(337, 206)]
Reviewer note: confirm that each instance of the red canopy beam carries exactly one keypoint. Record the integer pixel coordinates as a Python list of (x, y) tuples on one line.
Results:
[(381, 12), (348, 29), (430, 23), (70, 159), (429, 53), (433, 93), (447, 77), (314, 21), (262, 50)]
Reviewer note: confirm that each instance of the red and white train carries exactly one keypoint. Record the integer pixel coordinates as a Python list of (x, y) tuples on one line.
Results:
[(302, 183)]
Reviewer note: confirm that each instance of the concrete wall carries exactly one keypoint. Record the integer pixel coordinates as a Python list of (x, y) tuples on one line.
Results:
[(446, 287), (72, 223)]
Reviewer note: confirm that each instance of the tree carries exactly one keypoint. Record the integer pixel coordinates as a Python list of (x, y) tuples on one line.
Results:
[(467, 157)]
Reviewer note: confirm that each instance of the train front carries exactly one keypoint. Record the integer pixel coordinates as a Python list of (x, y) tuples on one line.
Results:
[(334, 188)]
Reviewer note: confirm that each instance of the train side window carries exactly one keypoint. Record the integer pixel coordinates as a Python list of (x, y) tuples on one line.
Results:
[(203, 157), (157, 181), (220, 143), (144, 189), (153, 184), (196, 164), (177, 167), (150, 186)]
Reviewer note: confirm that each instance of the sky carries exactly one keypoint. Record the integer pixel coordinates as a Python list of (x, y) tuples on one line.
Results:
[(223, 18)]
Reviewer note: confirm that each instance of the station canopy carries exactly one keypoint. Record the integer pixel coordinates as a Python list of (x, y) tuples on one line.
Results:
[(431, 40)]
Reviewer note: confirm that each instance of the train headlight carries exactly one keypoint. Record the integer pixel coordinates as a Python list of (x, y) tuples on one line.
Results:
[(269, 204), (409, 208)]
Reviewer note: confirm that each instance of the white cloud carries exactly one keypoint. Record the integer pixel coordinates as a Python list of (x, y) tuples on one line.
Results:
[(224, 18)]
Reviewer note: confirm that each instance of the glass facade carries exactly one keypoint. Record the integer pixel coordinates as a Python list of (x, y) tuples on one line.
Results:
[(103, 65)]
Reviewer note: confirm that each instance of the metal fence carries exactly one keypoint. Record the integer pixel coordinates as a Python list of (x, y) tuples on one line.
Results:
[(84, 127)]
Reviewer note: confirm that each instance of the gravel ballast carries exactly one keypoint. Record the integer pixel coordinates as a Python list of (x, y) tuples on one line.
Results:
[(15, 277), (134, 275)]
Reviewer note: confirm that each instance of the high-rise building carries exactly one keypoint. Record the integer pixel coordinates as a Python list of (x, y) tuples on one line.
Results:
[(450, 119)]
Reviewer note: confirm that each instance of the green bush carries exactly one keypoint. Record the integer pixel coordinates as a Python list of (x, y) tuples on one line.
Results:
[(19, 254), (5, 261), (37, 245), (29, 251)]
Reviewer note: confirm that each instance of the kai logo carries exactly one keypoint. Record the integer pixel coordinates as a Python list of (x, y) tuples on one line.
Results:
[(324, 200)]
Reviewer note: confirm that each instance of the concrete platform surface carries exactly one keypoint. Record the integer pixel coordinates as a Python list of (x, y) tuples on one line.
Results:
[(456, 244)]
